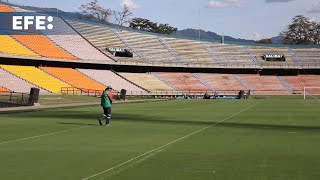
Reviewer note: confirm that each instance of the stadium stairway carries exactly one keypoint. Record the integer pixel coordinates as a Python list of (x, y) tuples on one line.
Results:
[(294, 56), (209, 50), (203, 81), (74, 78), (129, 46), (184, 82), (16, 84), (254, 58), (172, 51), (269, 85), (37, 77), (222, 83), (285, 84), (242, 82), (165, 82)]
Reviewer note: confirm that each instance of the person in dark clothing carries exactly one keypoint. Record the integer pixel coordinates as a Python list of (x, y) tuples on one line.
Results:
[(106, 102)]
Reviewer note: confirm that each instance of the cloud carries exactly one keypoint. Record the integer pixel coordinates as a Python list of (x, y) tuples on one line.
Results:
[(218, 4), (278, 1), (315, 8), (130, 4)]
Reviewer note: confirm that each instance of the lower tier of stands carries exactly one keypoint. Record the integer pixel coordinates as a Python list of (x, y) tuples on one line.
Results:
[(53, 80)]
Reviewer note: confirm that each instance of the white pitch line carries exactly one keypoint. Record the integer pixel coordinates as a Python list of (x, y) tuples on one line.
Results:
[(177, 140), (33, 137)]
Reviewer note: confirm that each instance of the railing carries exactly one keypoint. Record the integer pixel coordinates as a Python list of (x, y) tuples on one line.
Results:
[(12, 99), (80, 91)]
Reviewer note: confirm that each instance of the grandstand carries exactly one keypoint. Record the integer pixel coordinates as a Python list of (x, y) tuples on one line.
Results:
[(74, 78), (36, 76), (83, 60), (16, 84), (147, 81)]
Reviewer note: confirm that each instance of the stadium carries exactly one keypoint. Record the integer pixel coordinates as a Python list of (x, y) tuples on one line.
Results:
[(259, 120)]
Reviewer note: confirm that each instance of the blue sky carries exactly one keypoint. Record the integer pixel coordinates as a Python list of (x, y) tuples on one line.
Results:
[(249, 19)]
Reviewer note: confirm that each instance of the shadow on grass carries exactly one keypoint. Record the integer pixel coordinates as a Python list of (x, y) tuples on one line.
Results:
[(162, 120), (64, 117)]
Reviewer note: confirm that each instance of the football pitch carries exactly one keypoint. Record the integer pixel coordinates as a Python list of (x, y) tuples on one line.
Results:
[(265, 139)]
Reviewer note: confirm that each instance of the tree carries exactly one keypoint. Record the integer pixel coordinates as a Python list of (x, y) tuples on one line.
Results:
[(93, 10), (147, 25), (265, 41), (301, 31), (123, 17)]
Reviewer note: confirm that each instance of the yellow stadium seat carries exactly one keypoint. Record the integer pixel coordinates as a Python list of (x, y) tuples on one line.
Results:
[(11, 47), (37, 77)]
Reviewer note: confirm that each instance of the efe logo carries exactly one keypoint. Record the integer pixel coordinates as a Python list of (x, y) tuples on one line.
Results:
[(40, 22)]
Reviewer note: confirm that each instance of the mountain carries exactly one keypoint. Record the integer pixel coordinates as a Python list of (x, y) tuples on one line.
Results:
[(277, 40), (194, 33)]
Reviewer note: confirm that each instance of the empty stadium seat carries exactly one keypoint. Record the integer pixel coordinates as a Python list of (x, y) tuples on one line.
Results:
[(264, 84), (5, 8), (107, 78), (16, 84), (222, 82), (11, 47), (74, 78), (36, 76), (184, 82), (43, 46), (64, 36), (147, 81)]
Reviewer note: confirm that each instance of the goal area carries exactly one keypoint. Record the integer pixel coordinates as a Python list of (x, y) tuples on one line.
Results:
[(311, 93)]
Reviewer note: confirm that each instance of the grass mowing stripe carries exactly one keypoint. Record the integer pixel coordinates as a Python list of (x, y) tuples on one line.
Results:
[(177, 140), (42, 135)]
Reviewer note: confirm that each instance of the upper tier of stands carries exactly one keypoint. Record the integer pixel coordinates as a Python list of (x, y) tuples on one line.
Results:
[(5, 8), (87, 41), (147, 81), (15, 83), (308, 56), (261, 51), (36, 76), (65, 37), (43, 46), (107, 78), (148, 47), (230, 54), (190, 51), (11, 47), (74, 78), (102, 38)]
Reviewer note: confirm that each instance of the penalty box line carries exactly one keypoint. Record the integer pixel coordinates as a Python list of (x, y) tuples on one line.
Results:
[(163, 146), (42, 135)]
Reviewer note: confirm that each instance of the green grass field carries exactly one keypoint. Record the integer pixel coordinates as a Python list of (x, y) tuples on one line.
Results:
[(174, 140)]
